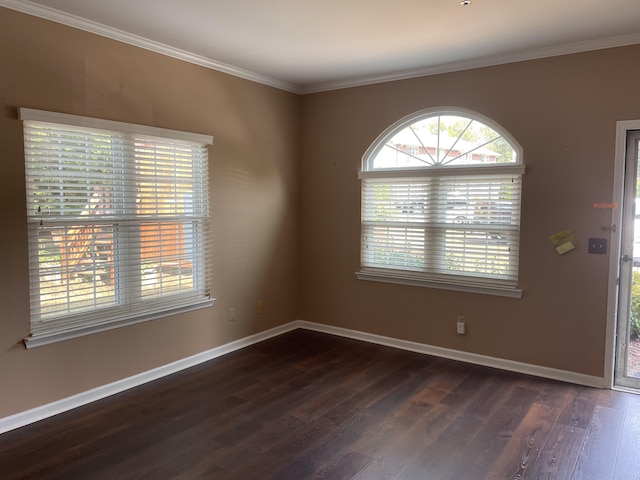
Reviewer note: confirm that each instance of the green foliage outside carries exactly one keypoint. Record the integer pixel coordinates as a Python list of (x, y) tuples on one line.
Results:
[(634, 322), (70, 193), (474, 132)]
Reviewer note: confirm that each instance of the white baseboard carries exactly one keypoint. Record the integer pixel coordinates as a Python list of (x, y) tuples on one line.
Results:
[(477, 359), (45, 411)]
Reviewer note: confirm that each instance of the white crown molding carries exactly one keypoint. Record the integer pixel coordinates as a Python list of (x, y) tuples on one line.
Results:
[(47, 13), (30, 8), (490, 61), (74, 21), (45, 411)]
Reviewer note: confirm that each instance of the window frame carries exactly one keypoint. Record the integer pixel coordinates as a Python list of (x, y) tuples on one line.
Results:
[(130, 223), (426, 277)]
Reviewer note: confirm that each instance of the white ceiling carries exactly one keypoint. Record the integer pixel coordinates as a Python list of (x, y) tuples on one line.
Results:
[(314, 45)]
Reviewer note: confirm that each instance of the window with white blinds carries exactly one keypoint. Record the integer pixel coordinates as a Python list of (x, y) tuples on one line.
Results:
[(441, 196), (118, 223)]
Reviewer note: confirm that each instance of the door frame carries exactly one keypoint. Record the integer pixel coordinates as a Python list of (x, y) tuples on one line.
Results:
[(622, 128)]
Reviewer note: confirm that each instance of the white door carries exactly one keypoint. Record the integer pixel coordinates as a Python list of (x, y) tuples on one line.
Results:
[(627, 363)]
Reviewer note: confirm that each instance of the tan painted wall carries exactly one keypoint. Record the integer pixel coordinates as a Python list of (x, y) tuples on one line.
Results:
[(563, 111), (286, 201), (254, 198)]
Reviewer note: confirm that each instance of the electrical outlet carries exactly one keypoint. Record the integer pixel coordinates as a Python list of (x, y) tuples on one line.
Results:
[(232, 314), (460, 326), (260, 307)]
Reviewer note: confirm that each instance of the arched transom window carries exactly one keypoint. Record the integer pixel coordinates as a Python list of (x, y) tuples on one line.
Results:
[(441, 196)]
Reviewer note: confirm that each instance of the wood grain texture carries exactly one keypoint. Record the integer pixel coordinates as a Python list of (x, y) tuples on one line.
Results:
[(307, 405), (628, 459)]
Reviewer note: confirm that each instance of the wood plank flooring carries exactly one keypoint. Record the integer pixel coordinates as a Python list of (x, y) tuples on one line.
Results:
[(306, 405)]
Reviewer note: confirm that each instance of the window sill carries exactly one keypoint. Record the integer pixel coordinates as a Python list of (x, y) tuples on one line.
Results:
[(458, 287), (46, 339)]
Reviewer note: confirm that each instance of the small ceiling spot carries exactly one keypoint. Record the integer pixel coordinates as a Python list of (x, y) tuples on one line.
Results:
[(464, 3)]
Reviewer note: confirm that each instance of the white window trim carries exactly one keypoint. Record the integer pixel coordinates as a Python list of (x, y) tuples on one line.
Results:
[(446, 282), (32, 342), (80, 121), (400, 279), (506, 169), (27, 114), (382, 139)]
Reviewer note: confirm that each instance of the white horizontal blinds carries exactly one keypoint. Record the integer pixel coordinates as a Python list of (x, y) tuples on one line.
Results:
[(394, 221), (453, 225), (74, 182), (170, 195), (481, 235), (73, 172), (441, 202), (118, 224)]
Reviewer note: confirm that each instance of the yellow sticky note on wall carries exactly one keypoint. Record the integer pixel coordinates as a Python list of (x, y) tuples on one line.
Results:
[(563, 241)]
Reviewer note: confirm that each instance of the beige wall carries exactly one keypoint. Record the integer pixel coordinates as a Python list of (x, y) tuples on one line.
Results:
[(254, 198), (563, 111), (285, 203)]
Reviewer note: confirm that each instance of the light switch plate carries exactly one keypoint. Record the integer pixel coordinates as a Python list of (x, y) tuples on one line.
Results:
[(598, 245)]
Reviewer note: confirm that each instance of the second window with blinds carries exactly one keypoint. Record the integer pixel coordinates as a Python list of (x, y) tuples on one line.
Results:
[(441, 192), (118, 218)]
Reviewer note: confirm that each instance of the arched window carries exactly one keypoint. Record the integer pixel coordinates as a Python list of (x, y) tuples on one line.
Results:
[(441, 204)]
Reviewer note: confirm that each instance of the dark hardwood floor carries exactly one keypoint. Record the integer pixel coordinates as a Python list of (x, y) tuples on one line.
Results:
[(310, 405)]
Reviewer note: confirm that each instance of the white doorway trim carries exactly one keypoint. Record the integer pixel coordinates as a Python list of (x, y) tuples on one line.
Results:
[(622, 127)]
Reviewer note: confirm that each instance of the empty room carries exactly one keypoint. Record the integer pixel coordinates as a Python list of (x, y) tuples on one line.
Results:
[(345, 240)]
